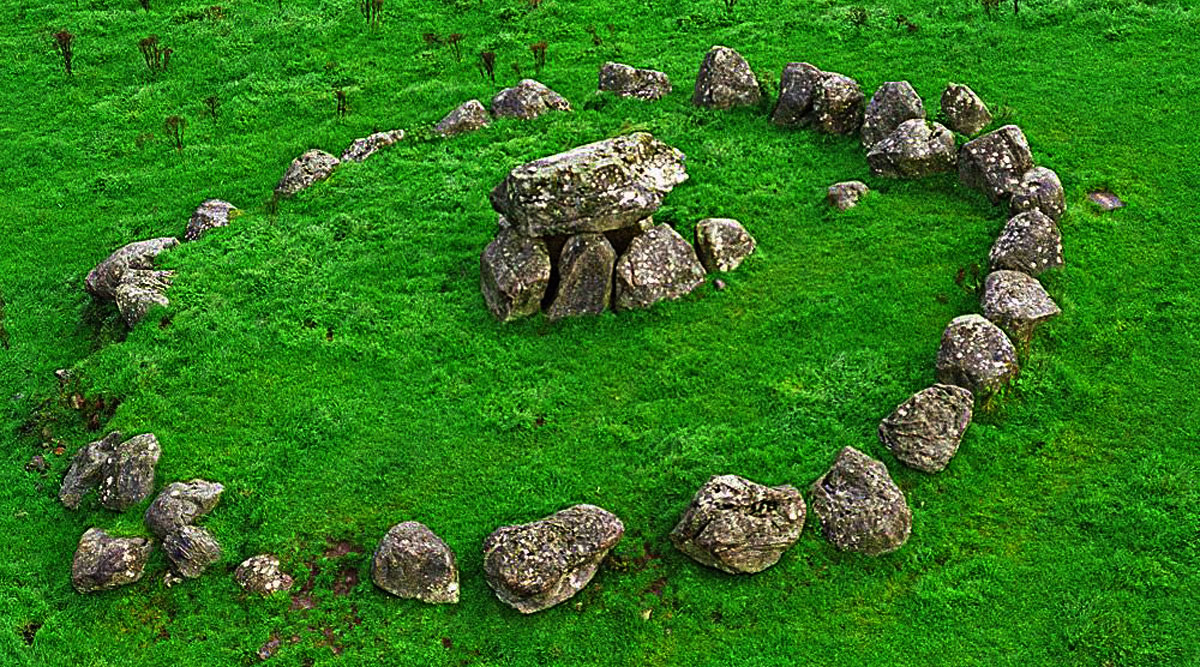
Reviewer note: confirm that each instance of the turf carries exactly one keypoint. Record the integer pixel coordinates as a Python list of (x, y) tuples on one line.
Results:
[(332, 363)]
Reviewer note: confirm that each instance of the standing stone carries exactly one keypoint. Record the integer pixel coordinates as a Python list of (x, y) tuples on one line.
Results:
[(837, 104), (527, 100), (739, 526), (1030, 242), (312, 166), (103, 563), (261, 574), (965, 113), (468, 117), (924, 432), (413, 562), (796, 86), (212, 213), (976, 355), (1016, 302), (861, 509), (995, 162), (1039, 190), (191, 550), (139, 291), (87, 469), (626, 81), (722, 243), (917, 148), (846, 195), (537, 565), (128, 474), (181, 503), (364, 148), (515, 271), (893, 103), (585, 270), (725, 81), (658, 265), (103, 280)]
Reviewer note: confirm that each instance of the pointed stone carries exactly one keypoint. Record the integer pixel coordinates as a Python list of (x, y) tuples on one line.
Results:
[(861, 509), (722, 244), (1017, 303), (725, 81), (212, 213), (976, 355), (995, 162), (893, 103), (527, 100), (413, 562), (191, 550), (312, 166), (468, 117), (1030, 242), (585, 270), (917, 148), (658, 265), (965, 113), (180, 504), (128, 474), (924, 432)]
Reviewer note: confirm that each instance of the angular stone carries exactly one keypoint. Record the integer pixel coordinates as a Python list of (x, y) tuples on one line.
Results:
[(87, 469), (103, 280), (212, 213), (1030, 242), (537, 565), (1016, 302), (527, 100), (861, 509), (995, 162), (976, 355), (837, 104), (924, 432), (139, 291), (626, 81), (181, 503), (1107, 201), (796, 85), (725, 81), (102, 562), (917, 148), (367, 146), (412, 562), (739, 526), (965, 113), (658, 265), (893, 103), (514, 274), (261, 574), (468, 117), (722, 243), (128, 475), (585, 270), (1039, 190), (312, 166), (846, 195), (191, 550)]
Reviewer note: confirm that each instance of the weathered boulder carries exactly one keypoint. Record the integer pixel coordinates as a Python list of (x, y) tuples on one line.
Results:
[(976, 355), (312, 166), (861, 509), (796, 86), (527, 100), (739, 526), (846, 195), (413, 562), (210, 214), (893, 103), (1039, 190), (658, 265), (181, 503), (722, 243), (467, 117), (514, 274), (585, 270), (965, 113), (1030, 242), (597, 187), (261, 574), (924, 432), (1016, 302), (139, 291), (87, 469), (725, 81), (128, 475), (367, 146), (537, 565), (103, 280), (626, 81), (102, 562), (191, 550), (832, 102), (917, 148), (995, 162)]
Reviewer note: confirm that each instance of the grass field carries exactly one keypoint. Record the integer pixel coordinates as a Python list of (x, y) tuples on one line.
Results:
[(334, 366)]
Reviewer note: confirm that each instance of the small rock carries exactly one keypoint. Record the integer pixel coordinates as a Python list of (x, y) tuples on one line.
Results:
[(37, 464), (846, 195), (976, 355), (924, 432), (181, 503), (796, 85), (314, 165), (515, 271), (725, 81), (139, 291), (1106, 200), (364, 148), (1040, 189), (719, 285), (527, 100), (191, 550), (1017, 303), (995, 163), (1030, 242), (211, 214), (861, 509), (468, 117), (965, 113), (103, 280), (413, 562), (585, 270), (261, 574), (103, 562), (87, 469), (658, 265), (722, 243), (917, 148), (739, 526), (626, 81), (893, 103), (128, 474)]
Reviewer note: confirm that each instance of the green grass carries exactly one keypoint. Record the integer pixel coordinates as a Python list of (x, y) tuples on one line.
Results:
[(334, 366)]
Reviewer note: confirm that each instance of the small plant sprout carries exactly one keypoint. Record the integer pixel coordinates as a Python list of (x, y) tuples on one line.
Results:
[(729, 5), (487, 65), (145, 4), (156, 57), (591, 30), (342, 108), (539, 56), (62, 43), (212, 105), (453, 40), (174, 127), (372, 10)]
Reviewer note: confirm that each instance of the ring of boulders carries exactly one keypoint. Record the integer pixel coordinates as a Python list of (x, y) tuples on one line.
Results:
[(575, 236)]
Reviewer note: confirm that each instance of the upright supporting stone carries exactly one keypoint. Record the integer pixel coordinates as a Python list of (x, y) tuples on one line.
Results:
[(658, 265), (585, 271), (725, 81), (515, 271)]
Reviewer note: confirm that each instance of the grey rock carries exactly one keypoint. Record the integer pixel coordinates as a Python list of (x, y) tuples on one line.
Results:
[(585, 270), (261, 574), (917, 148), (514, 274), (995, 162), (1039, 190), (468, 117), (725, 81), (139, 291), (893, 103), (103, 280), (924, 432), (127, 476), (527, 100), (626, 81), (739, 526), (722, 243), (210, 214), (191, 550), (976, 355), (1016, 302), (796, 86), (837, 104), (312, 166), (367, 146), (537, 565), (965, 113), (1107, 201), (181, 503), (658, 265), (413, 562), (87, 469), (861, 509), (102, 562), (846, 195), (1030, 242)]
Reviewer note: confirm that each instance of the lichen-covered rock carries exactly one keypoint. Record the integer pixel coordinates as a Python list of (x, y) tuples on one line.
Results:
[(181, 503), (527, 100), (191, 550), (467, 117), (917, 148), (412, 562), (626, 81), (212, 213), (739, 526), (103, 280), (976, 355), (725, 81), (139, 291), (722, 243), (537, 565), (1030, 242), (893, 103), (261, 574), (585, 270), (1039, 190), (128, 475), (924, 432), (796, 86), (597, 187), (1016, 302), (367, 146), (965, 113), (995, 162), (846, 195), (831, 102), (659, 264), (514, 274), (861, 509), (1105, 200), (312, 166), (87, 469), (102, 562)]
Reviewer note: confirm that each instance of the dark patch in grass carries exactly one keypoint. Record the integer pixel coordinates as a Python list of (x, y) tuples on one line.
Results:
[(29, 632)]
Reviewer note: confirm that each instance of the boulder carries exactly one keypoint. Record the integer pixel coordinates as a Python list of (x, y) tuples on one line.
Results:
[(658, 265), (181, 503), (1039, 190), (585, 270), (808, 96), (861, 509), (537, 565), (212, 213), (1016, 302), (725, 81), (722, 243), (514, 274), (468, 117), (103, 280), (413, 562), (527, 100), (739, 526), (965, 113), (924, 432), (139, 291), (626, 81), (796, 86), (917, 148), (102, 562), (191, 550), (261, 574), (314, 165), (365, 147), (128, 475), (87, 469), (1030, 242), (893, 103), (995, 162), (597, 187), (846, 195), (976, 355)]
